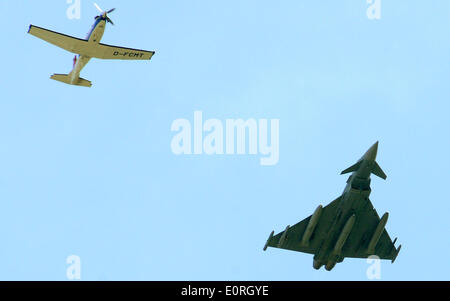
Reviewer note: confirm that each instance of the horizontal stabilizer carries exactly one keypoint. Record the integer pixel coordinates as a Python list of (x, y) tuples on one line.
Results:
[(352, 168), (66, 78), (378, 171)]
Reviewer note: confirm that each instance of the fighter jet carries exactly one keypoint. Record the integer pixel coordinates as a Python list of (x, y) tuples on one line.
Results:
[(347, 227), (88, 48)]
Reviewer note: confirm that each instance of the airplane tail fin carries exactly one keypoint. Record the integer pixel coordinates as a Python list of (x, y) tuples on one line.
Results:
[(66, 78)]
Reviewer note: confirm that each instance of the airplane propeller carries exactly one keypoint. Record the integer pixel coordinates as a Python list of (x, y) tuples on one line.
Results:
[(104, 14)]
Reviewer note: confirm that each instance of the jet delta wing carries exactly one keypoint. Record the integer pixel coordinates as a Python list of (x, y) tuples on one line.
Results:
[(295, 238), (347, 227)]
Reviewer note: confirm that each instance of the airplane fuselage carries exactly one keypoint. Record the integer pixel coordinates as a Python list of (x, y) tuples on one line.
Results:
[(354, 197), (94, 36)]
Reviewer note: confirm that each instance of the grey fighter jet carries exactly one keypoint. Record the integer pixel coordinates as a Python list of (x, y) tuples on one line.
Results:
[(347, 227)]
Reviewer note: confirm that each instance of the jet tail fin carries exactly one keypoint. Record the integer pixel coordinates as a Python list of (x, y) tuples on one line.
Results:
[(352, 168), (378, 171), (66, 78)]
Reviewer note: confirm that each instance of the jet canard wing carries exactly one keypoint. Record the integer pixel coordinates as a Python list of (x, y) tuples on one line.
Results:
[(293, 238), (89, 49)]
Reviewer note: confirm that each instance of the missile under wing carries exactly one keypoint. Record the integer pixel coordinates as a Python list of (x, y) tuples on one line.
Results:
[(347, 227)]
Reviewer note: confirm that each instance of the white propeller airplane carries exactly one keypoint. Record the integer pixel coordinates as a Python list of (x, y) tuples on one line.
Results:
[(88, 48)]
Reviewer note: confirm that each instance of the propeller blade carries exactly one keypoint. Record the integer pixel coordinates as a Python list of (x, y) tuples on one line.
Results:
[(109, 20), (111, 10), (98, 7)]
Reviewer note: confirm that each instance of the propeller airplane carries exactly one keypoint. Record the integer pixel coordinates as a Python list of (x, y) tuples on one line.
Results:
[(88, 48)]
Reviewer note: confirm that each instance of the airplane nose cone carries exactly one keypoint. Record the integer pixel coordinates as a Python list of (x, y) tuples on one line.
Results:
[(371, 154)]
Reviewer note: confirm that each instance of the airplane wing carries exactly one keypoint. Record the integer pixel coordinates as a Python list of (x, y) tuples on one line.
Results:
[(109, 52), (63, 41), (292, 240), (367, 220), (357, 242), (83, 47)]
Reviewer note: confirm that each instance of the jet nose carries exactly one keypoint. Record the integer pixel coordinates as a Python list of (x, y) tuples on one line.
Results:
[(371, 154)]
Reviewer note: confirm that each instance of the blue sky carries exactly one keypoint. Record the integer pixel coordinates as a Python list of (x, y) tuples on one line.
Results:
[(90, 172)]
